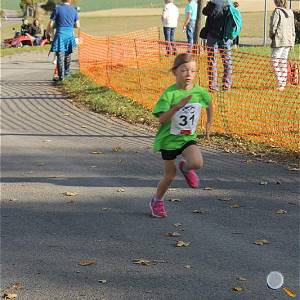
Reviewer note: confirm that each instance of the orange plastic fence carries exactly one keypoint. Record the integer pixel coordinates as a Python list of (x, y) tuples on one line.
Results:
[(137, 65)]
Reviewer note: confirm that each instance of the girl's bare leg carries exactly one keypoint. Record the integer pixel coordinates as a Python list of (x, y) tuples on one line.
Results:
[(193, 158), (169, 175)]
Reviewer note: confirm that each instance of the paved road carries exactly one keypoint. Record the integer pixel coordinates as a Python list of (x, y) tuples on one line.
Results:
[(46, 151)]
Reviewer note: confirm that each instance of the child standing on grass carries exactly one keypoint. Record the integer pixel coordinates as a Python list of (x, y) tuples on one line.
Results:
[(178, 111)]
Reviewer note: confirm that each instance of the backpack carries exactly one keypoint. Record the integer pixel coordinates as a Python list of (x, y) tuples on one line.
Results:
[(233, 23)]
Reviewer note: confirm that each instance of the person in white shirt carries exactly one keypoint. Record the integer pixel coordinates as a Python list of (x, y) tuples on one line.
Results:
[(169, 19)]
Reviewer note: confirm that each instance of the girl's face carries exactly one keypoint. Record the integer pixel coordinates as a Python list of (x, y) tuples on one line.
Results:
[(185, 74)]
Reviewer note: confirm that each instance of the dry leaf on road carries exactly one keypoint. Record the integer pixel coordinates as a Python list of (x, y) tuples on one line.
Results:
[(102, 281), (241, 279), (173, 234), (9, 296), (177, 224), (116, 149), (96, 152), (280, 212), (225, 198), (142, 262), (263, 183), (237, 289), (208, 188), (70, 194), (120, 190), (235, 205), (261, 242), (174, 200), (200, 211), (182, 244), (289, 292), (87, 262)]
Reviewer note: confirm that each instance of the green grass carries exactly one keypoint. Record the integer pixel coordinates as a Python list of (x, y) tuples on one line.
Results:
[(13, 51), (10, 4), (261, 50), (102, 26), (104, 100)]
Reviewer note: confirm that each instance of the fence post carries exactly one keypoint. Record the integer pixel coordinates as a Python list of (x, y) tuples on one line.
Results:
[(107, 62), (138, 69)]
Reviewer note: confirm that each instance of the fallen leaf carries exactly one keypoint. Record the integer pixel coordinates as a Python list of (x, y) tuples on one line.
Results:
[(9, 296), (248, 161), (261, 242), (103, 209), (207, 189), (225, 198), (263, 183), (182, 244), (235, 205), (120, 190), (237, 289), (117, 149), (83, 126), (177, 224), (241, 279), (87, 262), (280, 212), (200, 211), (96, 152), (188, 267), (289, 292), (172, 189), (174, 200), (142, 262), (47, 141), (159, 261), (102, 281), (70, 194), (173, 234), (66, 114), (270, 161)]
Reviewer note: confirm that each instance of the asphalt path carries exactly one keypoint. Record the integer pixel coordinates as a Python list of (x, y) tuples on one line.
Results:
[(50, 147)]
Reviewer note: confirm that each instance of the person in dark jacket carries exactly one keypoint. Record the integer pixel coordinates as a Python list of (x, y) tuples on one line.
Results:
[(216, 12)]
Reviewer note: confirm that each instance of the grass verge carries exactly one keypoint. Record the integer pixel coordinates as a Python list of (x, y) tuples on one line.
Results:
[(13, 51), (84, 92)]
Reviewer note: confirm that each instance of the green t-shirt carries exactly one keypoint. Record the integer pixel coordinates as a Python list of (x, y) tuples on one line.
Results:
[(164, 139)]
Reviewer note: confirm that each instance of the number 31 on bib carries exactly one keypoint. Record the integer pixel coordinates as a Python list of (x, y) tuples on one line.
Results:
[(185, 120)]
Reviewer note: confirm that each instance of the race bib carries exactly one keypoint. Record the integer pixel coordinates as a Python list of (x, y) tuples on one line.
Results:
[(186, 119)]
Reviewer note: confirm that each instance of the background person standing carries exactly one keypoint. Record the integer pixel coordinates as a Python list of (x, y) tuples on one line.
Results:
[(216, 12), (169, 19), (190, 21), (282, 34), (64, 18)]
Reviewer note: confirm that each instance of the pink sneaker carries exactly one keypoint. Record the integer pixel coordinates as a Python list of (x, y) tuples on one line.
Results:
[(190, 176), (158, 208)]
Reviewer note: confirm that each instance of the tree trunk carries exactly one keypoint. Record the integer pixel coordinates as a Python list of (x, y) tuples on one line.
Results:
[(199, 21)]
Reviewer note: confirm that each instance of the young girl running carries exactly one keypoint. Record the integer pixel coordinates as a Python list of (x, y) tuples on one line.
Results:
[(178, 111)]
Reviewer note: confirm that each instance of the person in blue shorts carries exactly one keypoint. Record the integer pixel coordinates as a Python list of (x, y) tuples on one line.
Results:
[(64, 18)]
